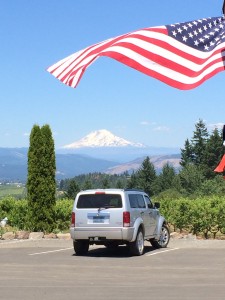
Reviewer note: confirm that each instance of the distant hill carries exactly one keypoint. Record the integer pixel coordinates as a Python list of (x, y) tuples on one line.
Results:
[(70, 165), (120, 155), (158, 161), (13, 164)]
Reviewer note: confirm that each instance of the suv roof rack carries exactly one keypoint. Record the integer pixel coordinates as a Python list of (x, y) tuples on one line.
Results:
[(133, 190)]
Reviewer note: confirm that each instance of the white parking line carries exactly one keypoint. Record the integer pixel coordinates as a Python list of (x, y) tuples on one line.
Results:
[(65, 249), (52, 251), (162, 251)]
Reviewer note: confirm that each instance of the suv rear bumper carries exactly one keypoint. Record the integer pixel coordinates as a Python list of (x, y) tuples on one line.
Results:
[(111, 233)]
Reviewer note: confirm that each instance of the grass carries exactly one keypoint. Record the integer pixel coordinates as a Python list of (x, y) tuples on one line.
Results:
[(12, 190)]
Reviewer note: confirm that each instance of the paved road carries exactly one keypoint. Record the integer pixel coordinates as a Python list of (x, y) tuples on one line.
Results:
[(47, 270)]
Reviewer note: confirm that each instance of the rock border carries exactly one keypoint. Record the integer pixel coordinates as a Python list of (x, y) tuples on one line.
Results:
[(26, 235)]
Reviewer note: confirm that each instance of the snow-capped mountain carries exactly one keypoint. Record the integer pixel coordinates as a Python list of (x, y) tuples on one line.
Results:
[(102, 138)]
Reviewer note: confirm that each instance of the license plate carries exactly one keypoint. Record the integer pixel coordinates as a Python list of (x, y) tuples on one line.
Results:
[(98, 219)]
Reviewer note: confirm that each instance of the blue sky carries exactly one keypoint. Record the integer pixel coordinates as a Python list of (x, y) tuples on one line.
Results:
[(36, 34)]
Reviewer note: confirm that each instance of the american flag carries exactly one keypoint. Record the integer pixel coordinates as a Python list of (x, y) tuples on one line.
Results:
[(182, 55)]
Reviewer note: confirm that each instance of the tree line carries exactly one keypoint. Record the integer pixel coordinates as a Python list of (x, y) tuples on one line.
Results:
[(199, 157), (196, 180)]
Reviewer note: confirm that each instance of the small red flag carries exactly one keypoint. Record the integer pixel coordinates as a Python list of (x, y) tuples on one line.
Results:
[(221, 166)]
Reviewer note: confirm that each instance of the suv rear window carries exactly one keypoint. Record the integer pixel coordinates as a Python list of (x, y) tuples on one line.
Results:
[(99, 200)]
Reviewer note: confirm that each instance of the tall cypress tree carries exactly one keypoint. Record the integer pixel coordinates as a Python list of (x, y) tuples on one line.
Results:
[(35, 179), (49, 169), (41, 185)]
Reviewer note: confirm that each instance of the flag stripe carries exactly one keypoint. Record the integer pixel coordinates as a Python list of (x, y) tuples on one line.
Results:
[(164, 58), (174, 77), (184, 51), (181, 62), (160, 55)]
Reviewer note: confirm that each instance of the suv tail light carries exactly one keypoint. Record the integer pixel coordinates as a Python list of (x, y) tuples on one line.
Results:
[(73, 219), (126, 219)]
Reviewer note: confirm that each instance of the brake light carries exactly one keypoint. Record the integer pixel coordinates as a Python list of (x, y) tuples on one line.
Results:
[(73, 219), (126, 219)]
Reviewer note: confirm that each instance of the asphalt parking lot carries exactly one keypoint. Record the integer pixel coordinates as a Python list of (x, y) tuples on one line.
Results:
[(49, 269)]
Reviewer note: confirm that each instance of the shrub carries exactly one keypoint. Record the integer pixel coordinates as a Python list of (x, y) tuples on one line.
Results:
[(63, 211)]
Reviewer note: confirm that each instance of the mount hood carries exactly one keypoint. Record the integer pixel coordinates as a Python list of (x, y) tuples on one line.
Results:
[(102, 138)]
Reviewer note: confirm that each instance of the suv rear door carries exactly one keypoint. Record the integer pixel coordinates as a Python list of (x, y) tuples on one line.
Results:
[(99, 209)]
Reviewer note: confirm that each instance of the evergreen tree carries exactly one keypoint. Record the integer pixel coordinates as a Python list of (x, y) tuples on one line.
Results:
[(62, 185), (191, 178), (186, 154), (49, 169), (177, 184), (165, 180), (214, 153), (199, 142), (73, 189), (87, 185), (41, 185), (132, 181), (167, 176), (119, 184), (35, 180), (146, 176), (105, 183)]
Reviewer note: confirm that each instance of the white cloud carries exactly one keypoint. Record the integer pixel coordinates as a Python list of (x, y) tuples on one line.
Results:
[(28, 134), (145, 123), (161, 128), (216, 125)]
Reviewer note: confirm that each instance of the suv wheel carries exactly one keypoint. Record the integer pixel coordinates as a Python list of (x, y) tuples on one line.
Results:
[(81, 247), (163, 240), (137, 247)]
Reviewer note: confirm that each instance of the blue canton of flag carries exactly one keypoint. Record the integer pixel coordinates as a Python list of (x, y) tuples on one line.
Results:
[(203, 34)]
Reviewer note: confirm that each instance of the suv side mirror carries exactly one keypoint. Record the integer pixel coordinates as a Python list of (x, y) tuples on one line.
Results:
[(157, 205), (150, 205)]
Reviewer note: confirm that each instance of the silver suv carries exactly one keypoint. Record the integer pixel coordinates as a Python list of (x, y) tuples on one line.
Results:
[(114, 217)]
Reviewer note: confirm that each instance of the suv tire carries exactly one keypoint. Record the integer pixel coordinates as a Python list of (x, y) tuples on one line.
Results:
[(163, 240), (81, 247), (137, 247)]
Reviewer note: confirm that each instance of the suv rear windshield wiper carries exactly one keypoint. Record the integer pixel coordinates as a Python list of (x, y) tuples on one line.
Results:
[(106, 207)]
